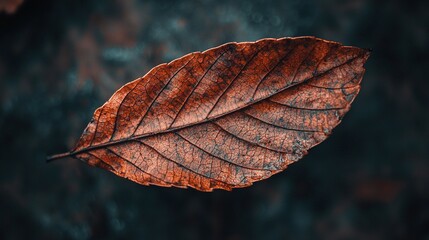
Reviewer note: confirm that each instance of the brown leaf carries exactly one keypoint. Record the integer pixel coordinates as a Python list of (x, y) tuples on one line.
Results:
[(226, 117)]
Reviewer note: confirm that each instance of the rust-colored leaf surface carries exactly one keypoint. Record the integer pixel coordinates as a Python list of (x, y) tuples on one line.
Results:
[(226, 117)]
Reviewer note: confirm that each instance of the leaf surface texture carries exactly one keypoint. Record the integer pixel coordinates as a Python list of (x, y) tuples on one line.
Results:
[(226, 117)]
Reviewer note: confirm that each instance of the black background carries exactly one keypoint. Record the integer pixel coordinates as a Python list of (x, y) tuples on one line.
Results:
[(59, 60)]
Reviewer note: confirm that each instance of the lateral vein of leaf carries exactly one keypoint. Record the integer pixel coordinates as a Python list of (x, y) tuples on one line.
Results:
[(96, 127), (119, 108), (330, 88), (324, 57), (306, 109), (162, 181), (89, 153), (305, 59), (270, 71), (339, 88), (224, 160), (135, 165), (181, 165), (232, 81), (250, 142), (140, 81), (195, 87), (272, 124), (159, 93)]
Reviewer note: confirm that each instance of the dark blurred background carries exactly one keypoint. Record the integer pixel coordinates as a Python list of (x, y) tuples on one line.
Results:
[(60, 60)]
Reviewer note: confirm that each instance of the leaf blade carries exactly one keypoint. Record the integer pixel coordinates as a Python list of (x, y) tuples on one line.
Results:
[(286, 94)]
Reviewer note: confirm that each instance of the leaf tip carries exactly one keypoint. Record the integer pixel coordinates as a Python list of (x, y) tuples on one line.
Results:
[(368, 52)]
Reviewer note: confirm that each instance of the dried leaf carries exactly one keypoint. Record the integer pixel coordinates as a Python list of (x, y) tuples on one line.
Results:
[(226, 117)]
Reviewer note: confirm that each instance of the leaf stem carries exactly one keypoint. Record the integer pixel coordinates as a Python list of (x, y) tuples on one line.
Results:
[(58, 156)]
